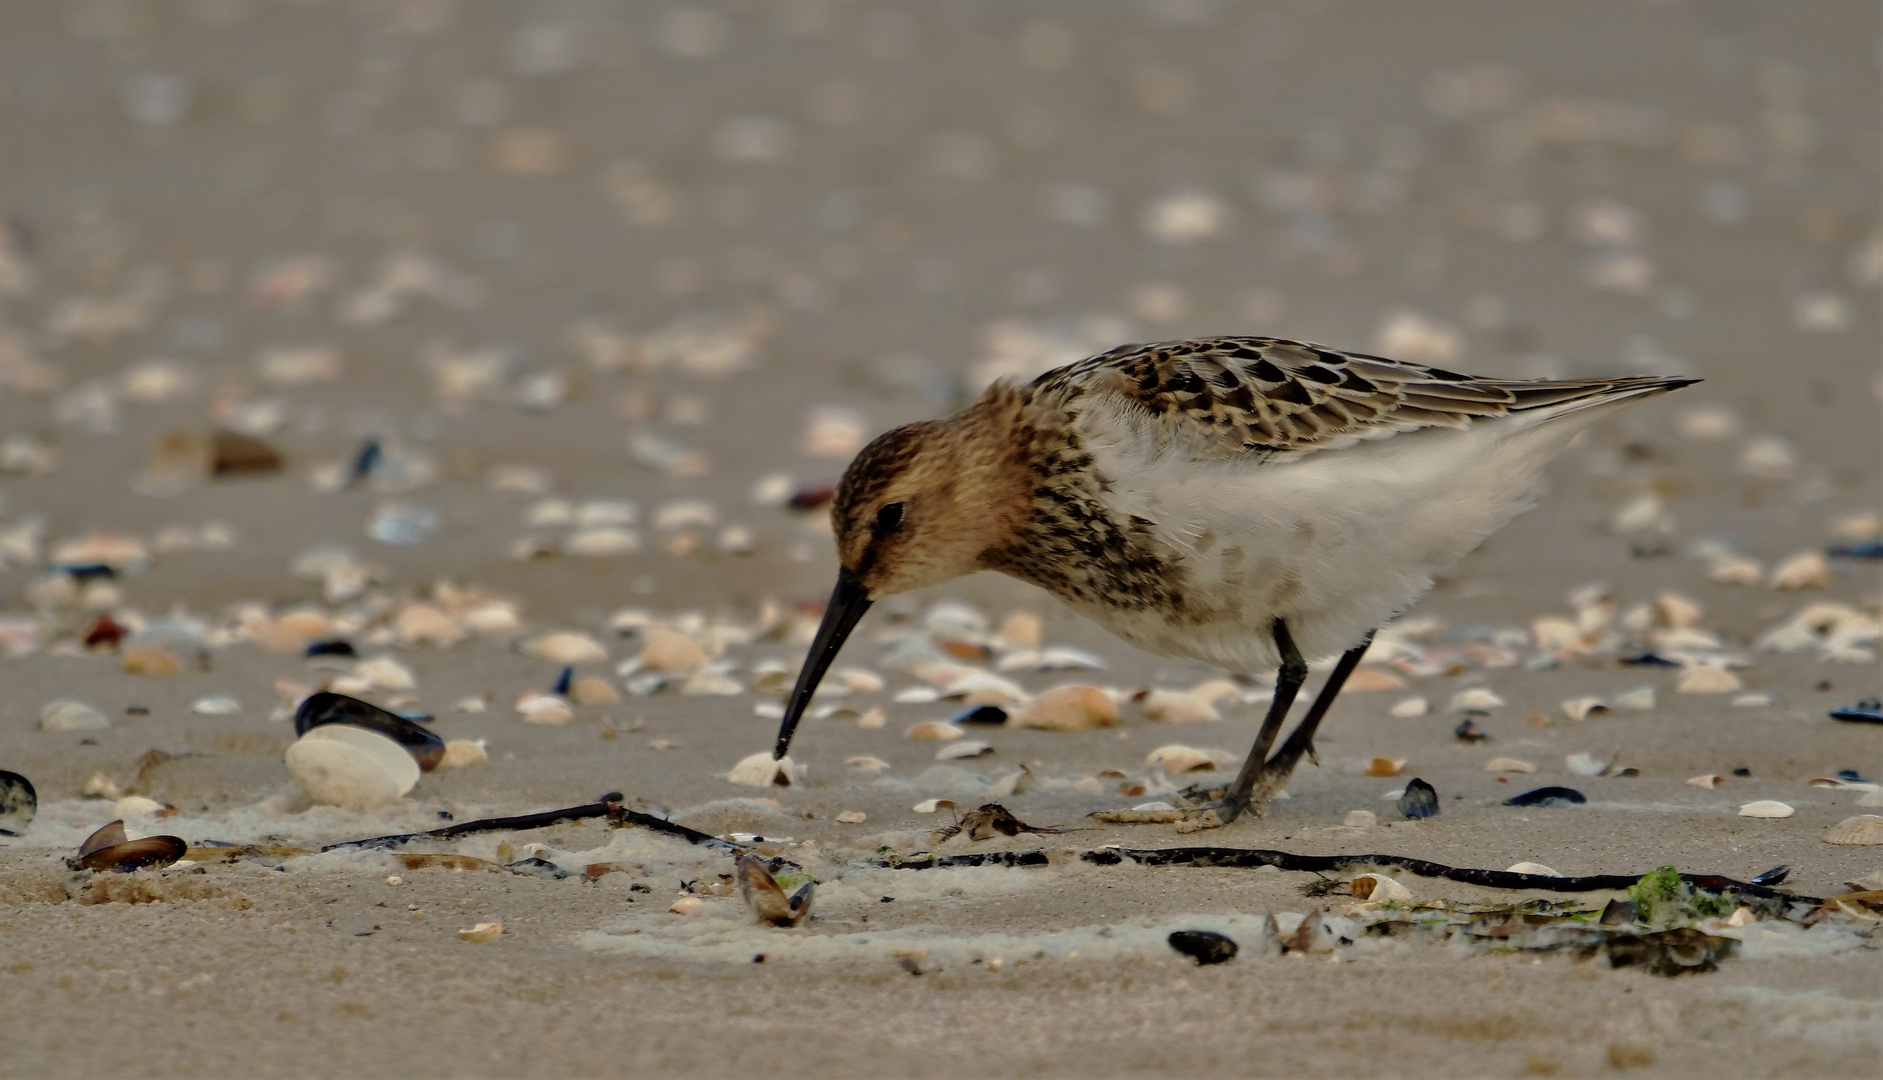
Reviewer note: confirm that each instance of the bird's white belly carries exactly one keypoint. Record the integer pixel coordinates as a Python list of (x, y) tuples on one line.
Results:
[(1334, 542)]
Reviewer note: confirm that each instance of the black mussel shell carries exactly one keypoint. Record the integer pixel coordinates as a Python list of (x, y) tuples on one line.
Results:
[(1867, 711), (982, 714), (1204, 946), (1547, 796), (332, 647), (1419, 801), (18, 803), (108, 849), (1468, 731), (1774, 877), (326, 707)]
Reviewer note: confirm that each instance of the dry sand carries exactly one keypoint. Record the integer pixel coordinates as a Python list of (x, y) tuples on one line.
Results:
[(1556, 189)]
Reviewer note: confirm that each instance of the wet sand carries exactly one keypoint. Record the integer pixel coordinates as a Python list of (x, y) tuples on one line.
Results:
[(870, 205)]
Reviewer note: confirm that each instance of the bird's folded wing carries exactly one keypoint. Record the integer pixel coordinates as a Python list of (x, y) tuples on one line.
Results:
[(1261, 397)]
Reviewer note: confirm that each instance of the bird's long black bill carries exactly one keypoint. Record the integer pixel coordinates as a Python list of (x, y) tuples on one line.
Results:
[(848, 602)]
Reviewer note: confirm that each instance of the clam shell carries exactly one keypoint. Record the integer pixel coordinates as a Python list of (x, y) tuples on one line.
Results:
[(759, 770), (1369, 677), (1510, 765), (1531, 868), (351, 767), (1766, 808), (1476, 699), (1707, 781), (1067, 708), (482, 934), (324, 708), (65, 714), (1379, 888), (18, 803), (110, 849), (767, 900), (1409, 707), (1360, 819), (932, 731), (966, 748), (1178, 707), (569, 648), (1707, 680), (1177, 759), (666, 649), (1864, 830), (867, 763), (594, 692)]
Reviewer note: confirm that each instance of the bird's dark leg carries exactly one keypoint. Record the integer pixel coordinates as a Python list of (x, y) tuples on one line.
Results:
[(1274, 772), (1288, 680)]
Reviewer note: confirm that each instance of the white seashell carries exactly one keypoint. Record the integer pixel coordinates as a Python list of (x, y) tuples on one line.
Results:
[(1766, 808), (985, 688), (101, 786), (1769, 457), (664, 648), (602, 542), (425, 624), (1067, 658), (594, 691), (1378, 888), (1639, 698), (385, 673), (759, 770), (932, 731), (1752, 701), (917, 695), (464, 753), (711, 683), (1177, 707), (1476, 699), (216, 705), (1510, 765), (133, 805), (1217, 692), (1707, 680), (350, 767), (1531, 868), (1584, 707), (966, 748), (482, 933), (687, 905), (545, 709), (1864, 830), (1805, 570), (874, 718), (492, 619), (859, 681), (1710, 780), (66, 714), (930, 806), (1407, 708), (1067, 708), (1360, 819), (568, 648), (1177, 759), (470, 705), (867, 763), (1585, 765)]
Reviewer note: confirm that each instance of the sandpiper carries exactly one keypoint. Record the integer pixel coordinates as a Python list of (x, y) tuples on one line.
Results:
[(1245, 501)]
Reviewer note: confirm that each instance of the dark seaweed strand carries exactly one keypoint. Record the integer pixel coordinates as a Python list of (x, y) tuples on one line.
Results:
[(609, 807)]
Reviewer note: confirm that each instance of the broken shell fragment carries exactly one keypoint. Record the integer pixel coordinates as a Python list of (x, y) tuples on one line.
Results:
[(966, 748), (482, 934), (1204, 946), (1766, 808), (65, 714), (1420, 800), (1584, 707), (1805, 570), (150, 660), (867, 763), (325, 707), (1379, 888), (687, 905), (18, 803), (1067, 708), (111, 849), (351, 767), (594, 691), (1864, 830), (1707, 680), (1409, 707), (464, 753), (1710, 780), (852, 817), (930, 806), (1510, 765), (1385, 766), (767, 899), (932, 731), (760, 770), (1531, 868)]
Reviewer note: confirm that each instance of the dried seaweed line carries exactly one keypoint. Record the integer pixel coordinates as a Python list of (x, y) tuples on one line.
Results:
[(609, 806)]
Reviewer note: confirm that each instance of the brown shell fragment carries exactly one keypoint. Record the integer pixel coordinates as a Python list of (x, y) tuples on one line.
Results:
[(768, 902), (110, 849)]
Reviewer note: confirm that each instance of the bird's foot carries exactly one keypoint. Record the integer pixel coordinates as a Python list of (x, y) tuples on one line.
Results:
[(1208, 807)]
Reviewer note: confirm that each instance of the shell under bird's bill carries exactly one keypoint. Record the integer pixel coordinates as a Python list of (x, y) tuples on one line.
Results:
[(1245, 501)]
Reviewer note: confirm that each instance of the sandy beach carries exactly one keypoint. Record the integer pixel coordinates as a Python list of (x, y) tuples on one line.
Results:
[(493, 339)]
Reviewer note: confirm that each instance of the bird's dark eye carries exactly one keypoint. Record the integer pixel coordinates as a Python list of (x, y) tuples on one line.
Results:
[(888, 519)]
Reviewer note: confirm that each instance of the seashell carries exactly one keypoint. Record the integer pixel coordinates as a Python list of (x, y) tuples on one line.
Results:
[(1585, 765), (867, 763), (1378, 888), (1177, 759), (1419, 800), (385, 673), (1638, 698), (874, 718), (1729, 569), (1475, 699), (917, 695), (323, 708), (137, 805), (111, 849), (1020, 630), (150, 660), (425, 624), (1217, 692), (1369, 677), (759, 770), (1841, 782), (1864, 830), (1178, 707), (1067, 708), (1017, 782), (470, 705), (932, 731), (1805, 570), (1067, 658), (1385, 766), (1706, 680), (66, 714), (852, 817), (1531, 868), (767, 899), (567, 648), (984, 688), (546, 710), (18, 803), (980, 714), (594, 692), (687, 905), (1510, 765), (1548, 796), (1766, 808), (1360, 819), (1869, 882), (1708, 781), (482, 933), (1584, 707), (666, 649), (351, 767), (1204, 946), (859, 681), (216, 705), (602, 542), (930, 806), (1407, 708), (967, 748), (464, 753), (711, 683), (492, 619)]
